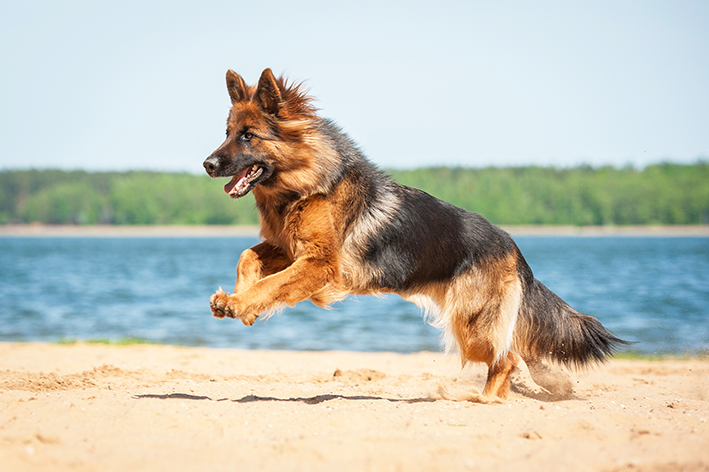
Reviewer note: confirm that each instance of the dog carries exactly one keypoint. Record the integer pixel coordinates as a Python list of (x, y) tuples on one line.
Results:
[(333, 225)]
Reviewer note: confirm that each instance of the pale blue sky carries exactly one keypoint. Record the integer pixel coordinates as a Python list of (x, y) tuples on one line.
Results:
[(140, 84)]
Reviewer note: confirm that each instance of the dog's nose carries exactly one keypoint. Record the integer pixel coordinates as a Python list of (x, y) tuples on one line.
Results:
[(211, 164)]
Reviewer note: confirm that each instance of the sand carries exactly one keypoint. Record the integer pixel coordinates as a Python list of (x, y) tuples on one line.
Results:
[(143, 407)]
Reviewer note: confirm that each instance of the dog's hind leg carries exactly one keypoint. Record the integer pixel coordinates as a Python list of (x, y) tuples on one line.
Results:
[(477, 344), (498, 376), (484, 326), (497, 386), (499, 368)]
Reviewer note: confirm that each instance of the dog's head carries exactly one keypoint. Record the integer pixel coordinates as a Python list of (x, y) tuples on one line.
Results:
[(265, 123)]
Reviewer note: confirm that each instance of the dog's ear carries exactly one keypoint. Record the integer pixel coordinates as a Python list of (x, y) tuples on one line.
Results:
[(268, 94), (236, 87)]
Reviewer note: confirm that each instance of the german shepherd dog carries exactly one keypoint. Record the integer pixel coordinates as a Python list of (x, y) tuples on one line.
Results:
[(332, 225)]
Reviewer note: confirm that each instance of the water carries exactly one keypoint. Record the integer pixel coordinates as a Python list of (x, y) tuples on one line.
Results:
[(654, 291)]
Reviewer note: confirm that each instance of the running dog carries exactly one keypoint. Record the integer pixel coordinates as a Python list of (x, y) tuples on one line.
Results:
[(332, 225)]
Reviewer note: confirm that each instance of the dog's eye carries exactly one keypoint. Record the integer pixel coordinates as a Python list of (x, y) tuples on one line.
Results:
[(248, 136)]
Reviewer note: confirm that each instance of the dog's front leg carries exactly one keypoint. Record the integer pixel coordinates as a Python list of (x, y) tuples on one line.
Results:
[(254, 264), (258, 262), (313, 241), (298, 282)]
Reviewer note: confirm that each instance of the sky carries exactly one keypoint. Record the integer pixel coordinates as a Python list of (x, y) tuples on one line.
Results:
[(140, 85)]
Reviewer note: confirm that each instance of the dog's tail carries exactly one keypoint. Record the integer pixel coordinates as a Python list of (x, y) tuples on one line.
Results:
[(548, 328)]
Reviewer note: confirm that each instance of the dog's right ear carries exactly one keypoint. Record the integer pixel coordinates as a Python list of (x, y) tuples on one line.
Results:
[(236, 87)]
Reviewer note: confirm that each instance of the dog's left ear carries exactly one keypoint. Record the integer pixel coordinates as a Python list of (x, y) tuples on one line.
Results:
[(268, 94)]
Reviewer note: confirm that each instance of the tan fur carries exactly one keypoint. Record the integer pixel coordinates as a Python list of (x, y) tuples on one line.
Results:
[(487, 336)]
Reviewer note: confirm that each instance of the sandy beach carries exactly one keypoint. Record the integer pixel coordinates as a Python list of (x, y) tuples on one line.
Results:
[(146, 407)]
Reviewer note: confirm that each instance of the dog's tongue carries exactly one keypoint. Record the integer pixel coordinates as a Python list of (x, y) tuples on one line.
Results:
[(237, 183)]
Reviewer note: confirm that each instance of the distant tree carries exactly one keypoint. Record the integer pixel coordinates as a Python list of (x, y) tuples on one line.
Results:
[(659, 194)]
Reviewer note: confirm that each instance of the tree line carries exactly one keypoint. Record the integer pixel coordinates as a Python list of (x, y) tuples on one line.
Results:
[(665, 194)]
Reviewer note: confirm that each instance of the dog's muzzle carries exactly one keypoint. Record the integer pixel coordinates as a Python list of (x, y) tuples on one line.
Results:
[(211, 165)]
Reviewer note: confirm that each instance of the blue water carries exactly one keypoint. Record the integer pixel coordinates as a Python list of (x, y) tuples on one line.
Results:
[(654, 291)]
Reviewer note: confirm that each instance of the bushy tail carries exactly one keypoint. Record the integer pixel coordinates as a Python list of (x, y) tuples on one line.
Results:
[(548, 328)]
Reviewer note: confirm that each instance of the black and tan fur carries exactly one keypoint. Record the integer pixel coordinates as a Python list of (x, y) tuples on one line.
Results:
[(333, 225)]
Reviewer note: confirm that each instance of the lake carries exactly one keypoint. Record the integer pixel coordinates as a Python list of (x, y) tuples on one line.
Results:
[(651, 290)]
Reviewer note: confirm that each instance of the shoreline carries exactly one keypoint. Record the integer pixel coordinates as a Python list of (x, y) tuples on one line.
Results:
[(210, 231), (701, 355)]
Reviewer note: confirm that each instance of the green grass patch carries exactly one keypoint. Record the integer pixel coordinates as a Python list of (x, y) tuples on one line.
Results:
[(644, 356), (111, 342)]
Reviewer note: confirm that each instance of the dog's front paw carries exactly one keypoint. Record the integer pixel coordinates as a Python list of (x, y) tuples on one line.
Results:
[(225, 306), (219, 303)]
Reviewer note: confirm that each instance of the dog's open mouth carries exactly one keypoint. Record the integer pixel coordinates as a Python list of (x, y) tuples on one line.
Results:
[(241, 183)]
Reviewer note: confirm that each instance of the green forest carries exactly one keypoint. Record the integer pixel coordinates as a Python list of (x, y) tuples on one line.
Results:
[(662, 194)]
